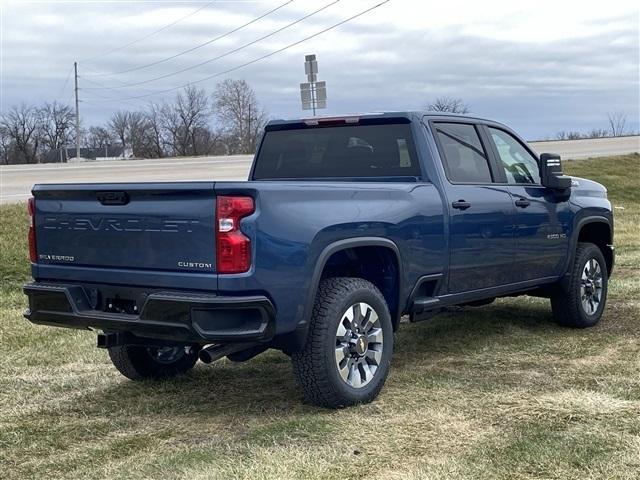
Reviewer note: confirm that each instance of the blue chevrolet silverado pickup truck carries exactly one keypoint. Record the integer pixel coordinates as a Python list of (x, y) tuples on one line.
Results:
[(345, 225)]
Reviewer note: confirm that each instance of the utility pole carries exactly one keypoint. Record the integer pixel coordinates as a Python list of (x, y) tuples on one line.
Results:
[(75, 71)]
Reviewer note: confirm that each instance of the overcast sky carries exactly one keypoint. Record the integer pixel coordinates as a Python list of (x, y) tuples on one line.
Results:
[(540, 66)]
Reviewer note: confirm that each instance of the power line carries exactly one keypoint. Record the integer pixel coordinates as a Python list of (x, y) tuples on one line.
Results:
[(155, 32), (103, 86), (189, 50), (101, 104), (93, 101), (104, 99), (159, 92), (95, 82), (66, 81), (226, 54)]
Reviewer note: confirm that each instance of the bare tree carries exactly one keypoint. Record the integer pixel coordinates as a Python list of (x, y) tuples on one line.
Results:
[(20, 125), (448, 104), (561, 135), (210, 141), (99, 137), (183, 119), (617, 123), (119, 126), (56, 124), (597, 133), (156, 137), (138, 133), (570, 135), (194, 112), (5, 143), (242, 118), (170, 125)]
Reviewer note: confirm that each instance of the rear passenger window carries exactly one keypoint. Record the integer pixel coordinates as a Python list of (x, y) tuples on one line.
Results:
[(465, 159)]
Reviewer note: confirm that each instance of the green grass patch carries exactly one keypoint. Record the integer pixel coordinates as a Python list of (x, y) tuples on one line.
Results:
[(492, 392)]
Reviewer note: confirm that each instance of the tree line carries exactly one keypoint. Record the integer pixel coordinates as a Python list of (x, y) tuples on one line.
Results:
[(229, 121), (616, 121), (616, 127)]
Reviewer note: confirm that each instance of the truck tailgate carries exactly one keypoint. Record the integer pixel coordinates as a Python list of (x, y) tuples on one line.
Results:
[(152, 226)]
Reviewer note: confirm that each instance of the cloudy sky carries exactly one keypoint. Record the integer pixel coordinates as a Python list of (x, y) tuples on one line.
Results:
[(540, 66)]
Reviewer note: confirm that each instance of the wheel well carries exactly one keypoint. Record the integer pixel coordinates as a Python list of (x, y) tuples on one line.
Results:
[(377, 264), (598, 233)]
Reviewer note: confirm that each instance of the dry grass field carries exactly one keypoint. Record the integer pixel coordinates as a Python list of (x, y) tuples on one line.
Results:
[(492, 392)]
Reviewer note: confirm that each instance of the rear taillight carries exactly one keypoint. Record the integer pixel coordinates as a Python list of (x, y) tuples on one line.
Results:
[(31, 206), (233, 248)]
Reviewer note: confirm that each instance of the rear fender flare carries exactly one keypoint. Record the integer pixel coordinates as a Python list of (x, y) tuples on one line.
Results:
[(303, 326)]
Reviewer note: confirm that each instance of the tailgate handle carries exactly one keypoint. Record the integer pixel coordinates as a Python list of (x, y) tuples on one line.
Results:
[(113, 198)]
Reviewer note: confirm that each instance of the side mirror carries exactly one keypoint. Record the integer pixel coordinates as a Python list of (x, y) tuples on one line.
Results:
[(551, 172)]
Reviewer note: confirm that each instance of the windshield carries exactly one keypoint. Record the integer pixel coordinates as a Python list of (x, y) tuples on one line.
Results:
[(342, 151)]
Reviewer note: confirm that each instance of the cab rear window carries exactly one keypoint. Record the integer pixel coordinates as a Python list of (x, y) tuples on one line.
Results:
[(342, 151)]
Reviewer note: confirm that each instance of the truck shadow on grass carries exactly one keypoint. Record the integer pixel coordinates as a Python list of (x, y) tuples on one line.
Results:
[(266, 384)]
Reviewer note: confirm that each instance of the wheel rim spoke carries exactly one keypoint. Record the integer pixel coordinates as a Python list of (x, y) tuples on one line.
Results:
[(374, 355), (344, 369), (354, 378), (366, 371), (370, 320), (341, 354), (342, 329), (374, 336)]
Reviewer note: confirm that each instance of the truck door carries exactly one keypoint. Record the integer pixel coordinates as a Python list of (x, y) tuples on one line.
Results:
[(481, 237), (542, 215)]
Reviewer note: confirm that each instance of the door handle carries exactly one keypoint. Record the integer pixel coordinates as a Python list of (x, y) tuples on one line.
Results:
[(461, 205), (522, 203)]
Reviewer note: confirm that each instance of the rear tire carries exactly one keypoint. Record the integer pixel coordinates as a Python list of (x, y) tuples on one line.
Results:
[(347, 355), (143, 363), (579, 299)]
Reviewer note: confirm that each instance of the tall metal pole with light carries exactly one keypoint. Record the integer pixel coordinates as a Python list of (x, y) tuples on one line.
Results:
[(312, 93)]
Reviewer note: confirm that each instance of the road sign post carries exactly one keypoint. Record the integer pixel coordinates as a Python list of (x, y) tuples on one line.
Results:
[(313, 94)]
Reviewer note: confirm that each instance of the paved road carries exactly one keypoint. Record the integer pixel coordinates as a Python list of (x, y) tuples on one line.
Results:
[(591, 147), (16, 180)]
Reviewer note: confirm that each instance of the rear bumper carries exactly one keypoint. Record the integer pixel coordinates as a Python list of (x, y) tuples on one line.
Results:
[(174, 316)]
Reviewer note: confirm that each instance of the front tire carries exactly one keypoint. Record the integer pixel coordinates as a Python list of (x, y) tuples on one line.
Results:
[(347, 355), (579, 300), (155, 363)]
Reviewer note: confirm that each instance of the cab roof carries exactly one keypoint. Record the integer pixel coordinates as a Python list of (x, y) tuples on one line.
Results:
[(407, 116)]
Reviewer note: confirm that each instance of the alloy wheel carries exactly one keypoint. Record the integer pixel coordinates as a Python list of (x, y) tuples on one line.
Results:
[(359, 344), (591, 286)]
